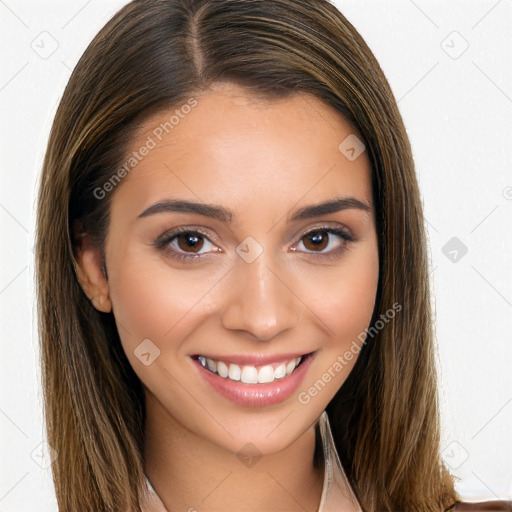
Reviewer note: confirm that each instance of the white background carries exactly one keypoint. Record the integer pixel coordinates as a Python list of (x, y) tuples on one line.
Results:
[(457, 109)]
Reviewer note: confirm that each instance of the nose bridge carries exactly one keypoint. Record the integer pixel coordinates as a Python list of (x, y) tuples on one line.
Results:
[(259, 301)]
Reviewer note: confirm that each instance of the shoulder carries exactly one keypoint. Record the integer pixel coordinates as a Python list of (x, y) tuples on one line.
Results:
[(482, 506)]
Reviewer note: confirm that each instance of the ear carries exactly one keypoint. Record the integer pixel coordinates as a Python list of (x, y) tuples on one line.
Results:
[(89, 269)]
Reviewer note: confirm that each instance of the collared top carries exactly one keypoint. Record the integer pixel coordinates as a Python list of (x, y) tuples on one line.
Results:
[(337, 494)]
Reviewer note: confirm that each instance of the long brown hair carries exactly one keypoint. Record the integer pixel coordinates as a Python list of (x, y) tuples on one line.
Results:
[(154, 54)]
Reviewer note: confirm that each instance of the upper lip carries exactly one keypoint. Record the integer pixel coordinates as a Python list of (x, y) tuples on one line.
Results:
[(254, 359)]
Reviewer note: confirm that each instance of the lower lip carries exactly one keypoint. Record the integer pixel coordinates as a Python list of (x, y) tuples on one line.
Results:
[(256, 395)]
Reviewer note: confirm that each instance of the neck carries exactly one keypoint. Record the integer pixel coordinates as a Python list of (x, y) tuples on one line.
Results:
[(191, 473)]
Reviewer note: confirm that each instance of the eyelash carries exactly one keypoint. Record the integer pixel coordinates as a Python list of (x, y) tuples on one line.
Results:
[(165, 239)]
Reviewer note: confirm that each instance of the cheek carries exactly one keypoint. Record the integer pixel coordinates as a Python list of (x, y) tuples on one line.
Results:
[(343, 303), (344, 299), (147, 302), (350, 303), (152, 300)]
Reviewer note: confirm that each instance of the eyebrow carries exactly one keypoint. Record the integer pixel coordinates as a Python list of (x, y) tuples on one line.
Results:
[(225, 215)]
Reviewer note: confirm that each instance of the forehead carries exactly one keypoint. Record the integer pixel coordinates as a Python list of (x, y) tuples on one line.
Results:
[(229, 147)]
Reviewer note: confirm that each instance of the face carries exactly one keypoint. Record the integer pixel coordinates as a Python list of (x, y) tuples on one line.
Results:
[(249, 278)]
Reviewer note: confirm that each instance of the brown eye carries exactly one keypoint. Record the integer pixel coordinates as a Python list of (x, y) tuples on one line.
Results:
[(188, 241), (185, 244), (325, 241), (316, 241)]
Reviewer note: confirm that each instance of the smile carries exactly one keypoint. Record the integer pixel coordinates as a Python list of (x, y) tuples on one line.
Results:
[(250, 374), (254, 380)]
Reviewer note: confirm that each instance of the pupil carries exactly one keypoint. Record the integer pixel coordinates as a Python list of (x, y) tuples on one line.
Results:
[(191, 242), (318, 240)]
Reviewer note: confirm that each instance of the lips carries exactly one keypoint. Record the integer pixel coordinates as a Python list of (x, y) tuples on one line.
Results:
[(250, 373), (254, 393)]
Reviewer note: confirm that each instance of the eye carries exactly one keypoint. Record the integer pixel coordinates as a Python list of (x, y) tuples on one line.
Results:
[(184, 243), (325, 241), (188, 244)]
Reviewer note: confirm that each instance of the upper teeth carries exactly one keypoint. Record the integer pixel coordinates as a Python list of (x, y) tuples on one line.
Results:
[(250, 374)]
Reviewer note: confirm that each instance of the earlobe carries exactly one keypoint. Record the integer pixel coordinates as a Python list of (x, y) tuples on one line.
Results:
[(102, 303), (89, 271)]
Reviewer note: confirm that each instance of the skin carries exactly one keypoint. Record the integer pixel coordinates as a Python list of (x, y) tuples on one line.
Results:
[(263, 160)]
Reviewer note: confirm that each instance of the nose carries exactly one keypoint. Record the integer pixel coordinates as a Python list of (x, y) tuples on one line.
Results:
[(260, 301)]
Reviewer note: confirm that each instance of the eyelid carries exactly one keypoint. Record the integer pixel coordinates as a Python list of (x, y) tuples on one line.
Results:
[(332, 228), (336, 226), (171, 233)]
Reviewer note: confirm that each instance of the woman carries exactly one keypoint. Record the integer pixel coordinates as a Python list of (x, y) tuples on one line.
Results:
[(231, 270)]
